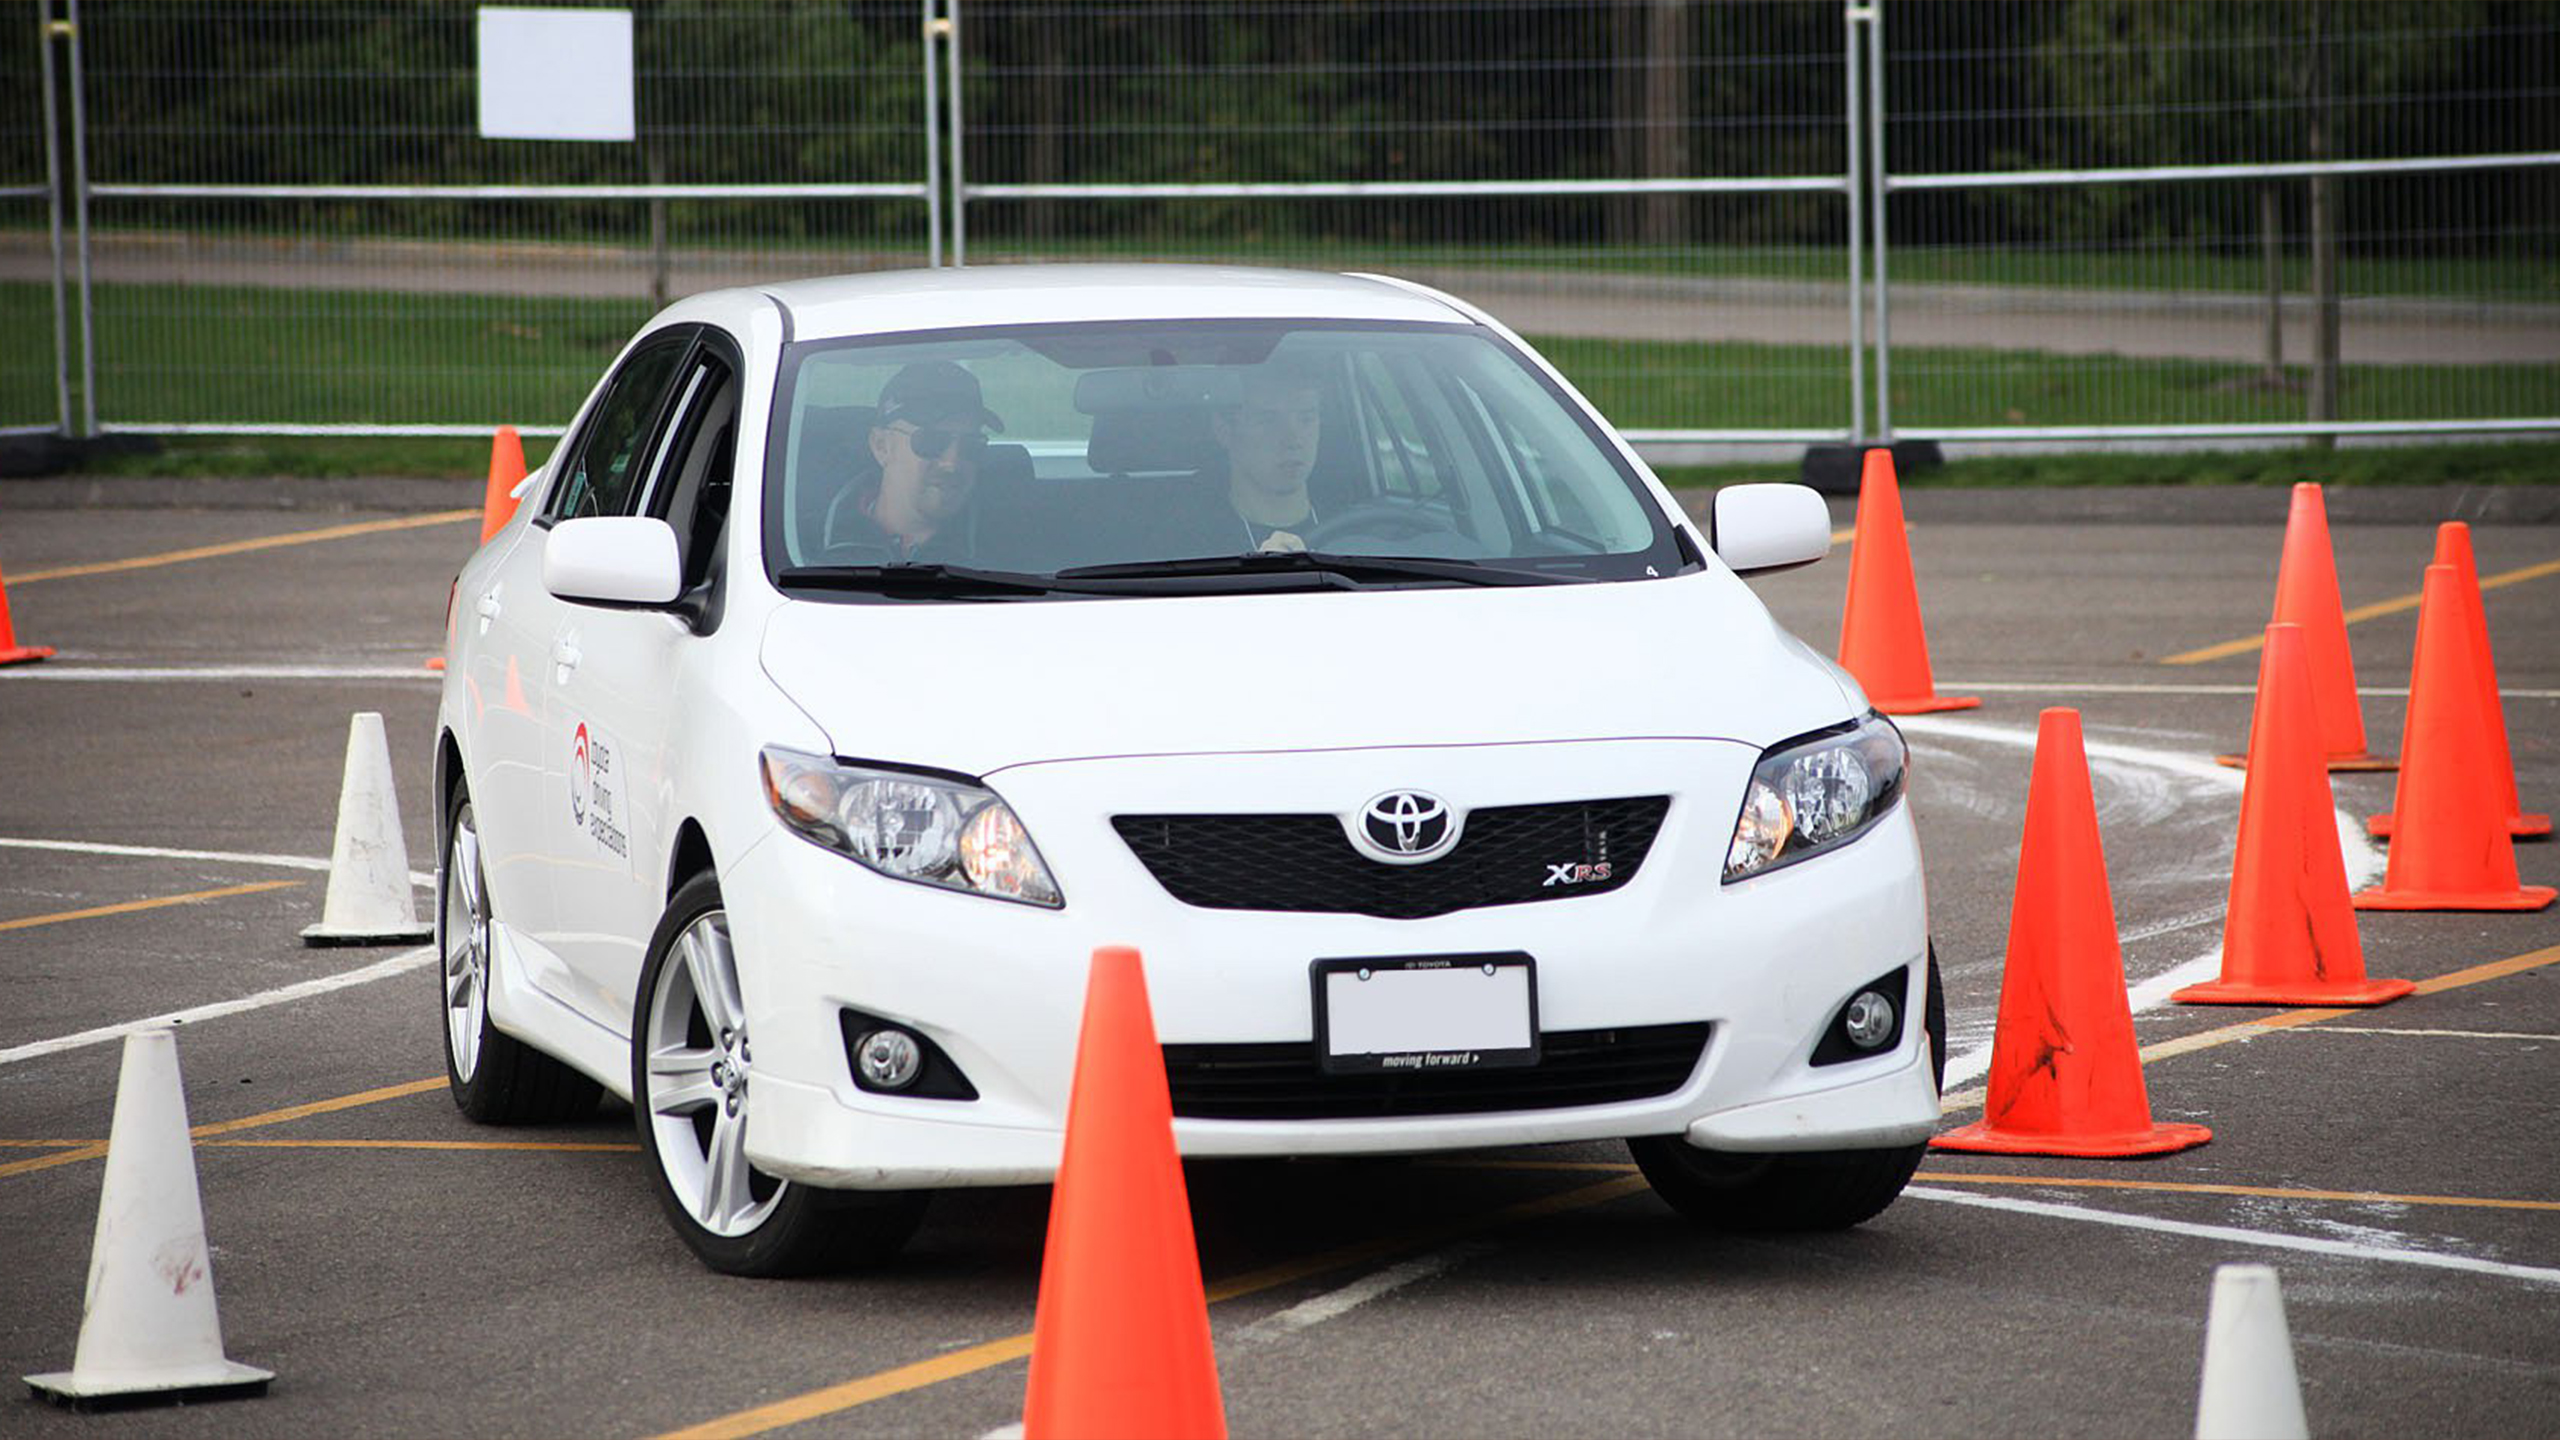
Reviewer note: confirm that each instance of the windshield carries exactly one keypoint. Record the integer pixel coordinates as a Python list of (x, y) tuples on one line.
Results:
[(1143, 457)]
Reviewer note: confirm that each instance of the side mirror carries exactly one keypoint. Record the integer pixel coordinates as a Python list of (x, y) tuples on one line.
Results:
[(612, 560), (1762, 529)]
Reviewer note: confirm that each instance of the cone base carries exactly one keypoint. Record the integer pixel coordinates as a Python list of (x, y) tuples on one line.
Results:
[(1983, 1137), (319, 935), (2360, 762), (231, 1381), (1925, 704), (2524, 897), (2519, 827), (2308, 992), (24, 654), (435, 662)]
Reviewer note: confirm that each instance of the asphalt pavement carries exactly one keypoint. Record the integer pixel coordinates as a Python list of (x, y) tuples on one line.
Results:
[(167, 792)]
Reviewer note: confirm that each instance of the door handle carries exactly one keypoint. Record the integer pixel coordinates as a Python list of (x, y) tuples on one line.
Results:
[(487, 608), (564, 655)]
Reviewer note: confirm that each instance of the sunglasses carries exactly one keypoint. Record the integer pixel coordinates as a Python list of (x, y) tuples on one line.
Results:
[(934, 444)]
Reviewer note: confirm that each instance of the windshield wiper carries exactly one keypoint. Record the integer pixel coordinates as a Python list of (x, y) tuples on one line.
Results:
[(916, 578), (1359, 569)]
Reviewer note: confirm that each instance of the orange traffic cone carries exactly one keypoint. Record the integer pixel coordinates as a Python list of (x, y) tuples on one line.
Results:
[(2290, 938), (2453, 547), (1881, 641), (2065, 1078), (1120, 1346), (506, 472), (2307, 595), (2449, 844), (11, 652)]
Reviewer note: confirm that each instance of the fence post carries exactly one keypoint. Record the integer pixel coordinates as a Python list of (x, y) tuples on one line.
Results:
[(1882, 173), (47, 31), (1852, 14), (933, 27), (959, 181), (80, 214)]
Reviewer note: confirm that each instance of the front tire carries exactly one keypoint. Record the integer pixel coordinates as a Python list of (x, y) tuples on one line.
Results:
[(692, 1070), (1797, 1191), (495, 1078)]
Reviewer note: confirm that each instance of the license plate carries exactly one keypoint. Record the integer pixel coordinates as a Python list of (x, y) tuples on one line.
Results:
[(1422, 1013)]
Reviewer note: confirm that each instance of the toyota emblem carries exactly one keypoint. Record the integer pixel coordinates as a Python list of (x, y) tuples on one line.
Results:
[(1405, 827)]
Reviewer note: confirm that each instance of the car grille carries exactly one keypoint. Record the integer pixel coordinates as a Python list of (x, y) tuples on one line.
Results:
[(1575, 1067), (1504, 856)]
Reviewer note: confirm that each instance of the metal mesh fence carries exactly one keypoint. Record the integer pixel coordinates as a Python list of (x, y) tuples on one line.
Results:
[(295, 221), (2239, 299), (1499, 149)]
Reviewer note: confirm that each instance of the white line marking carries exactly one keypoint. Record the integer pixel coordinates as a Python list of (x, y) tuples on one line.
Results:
[(2096, 687), (153, 674), (2389, 1030), (2365, 861), (420, 878), (400, 964), (1359, 1292), (2276, 1240)]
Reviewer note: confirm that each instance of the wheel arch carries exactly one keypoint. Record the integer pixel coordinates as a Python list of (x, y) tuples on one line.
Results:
[(448, 774), (690, 856)]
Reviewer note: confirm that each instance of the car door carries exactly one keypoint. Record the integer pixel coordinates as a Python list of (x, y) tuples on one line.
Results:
[(616, 700), (546, 842)]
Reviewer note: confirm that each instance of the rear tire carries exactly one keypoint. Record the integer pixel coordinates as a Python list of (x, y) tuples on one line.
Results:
[(495, 1078), (691, 1071), (1790, 1191)]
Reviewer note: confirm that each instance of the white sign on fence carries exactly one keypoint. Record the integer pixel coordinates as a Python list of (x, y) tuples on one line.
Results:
[(555, 74)]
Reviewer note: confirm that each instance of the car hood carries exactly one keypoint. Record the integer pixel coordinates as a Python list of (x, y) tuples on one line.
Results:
[(977, 687)]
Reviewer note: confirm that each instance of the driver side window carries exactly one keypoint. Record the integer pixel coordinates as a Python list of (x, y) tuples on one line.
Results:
[(600, 479)]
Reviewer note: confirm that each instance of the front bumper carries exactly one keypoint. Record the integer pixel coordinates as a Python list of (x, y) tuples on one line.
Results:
[(1000, 987)]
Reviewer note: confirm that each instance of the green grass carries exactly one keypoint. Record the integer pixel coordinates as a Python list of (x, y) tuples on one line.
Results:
[(2519, 463), (173, 354)]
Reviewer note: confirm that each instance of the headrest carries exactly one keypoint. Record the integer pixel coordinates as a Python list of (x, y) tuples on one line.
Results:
[(1141, 441), (828, 431)]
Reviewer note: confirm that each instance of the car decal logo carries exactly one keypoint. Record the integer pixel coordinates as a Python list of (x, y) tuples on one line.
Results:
[(1406, 827), (581, 779)]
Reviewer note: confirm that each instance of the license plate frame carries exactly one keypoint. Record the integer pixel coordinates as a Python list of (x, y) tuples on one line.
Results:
[(1478, 1035)]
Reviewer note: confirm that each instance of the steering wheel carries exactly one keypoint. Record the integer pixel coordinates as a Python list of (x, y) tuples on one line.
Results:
[(1377, 519)]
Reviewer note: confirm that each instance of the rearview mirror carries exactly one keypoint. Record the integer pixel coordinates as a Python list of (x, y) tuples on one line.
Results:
[(612, 560), (1762, 529)]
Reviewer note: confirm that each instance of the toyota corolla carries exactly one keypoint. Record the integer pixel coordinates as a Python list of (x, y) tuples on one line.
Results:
[(871, 650)]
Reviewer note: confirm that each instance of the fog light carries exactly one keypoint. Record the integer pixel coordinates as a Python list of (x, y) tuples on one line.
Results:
[(1869, 1020), (889, 1059)]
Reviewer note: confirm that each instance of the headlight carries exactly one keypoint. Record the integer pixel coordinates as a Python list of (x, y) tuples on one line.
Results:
[(1816, 792), (926, 828)]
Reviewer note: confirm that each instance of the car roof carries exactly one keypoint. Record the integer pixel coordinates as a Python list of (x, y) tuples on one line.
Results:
[(890, 302)]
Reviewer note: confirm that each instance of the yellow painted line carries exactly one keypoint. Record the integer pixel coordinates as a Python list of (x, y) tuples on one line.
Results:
[(129, 906), (1843, 537), (98, 1150), (2392, 606), (572, 1147), (862, 1391), (243, 547), (2288, 1019), (2268, 1192), (45, 1144)]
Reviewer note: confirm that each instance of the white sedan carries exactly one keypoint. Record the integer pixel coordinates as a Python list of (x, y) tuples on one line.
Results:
[(871, 650)]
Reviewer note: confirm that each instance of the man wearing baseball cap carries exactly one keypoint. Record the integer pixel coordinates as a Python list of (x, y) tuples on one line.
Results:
[(928, 438)]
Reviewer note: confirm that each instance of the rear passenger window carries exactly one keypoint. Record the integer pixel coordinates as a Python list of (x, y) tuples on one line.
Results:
[(602, 476)]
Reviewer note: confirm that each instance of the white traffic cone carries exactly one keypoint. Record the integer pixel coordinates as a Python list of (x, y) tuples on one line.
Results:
[(2249, 1390), (369, 901), (149, 1333)]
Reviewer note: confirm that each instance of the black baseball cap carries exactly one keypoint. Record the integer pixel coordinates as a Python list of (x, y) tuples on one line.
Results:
[(935, 393)]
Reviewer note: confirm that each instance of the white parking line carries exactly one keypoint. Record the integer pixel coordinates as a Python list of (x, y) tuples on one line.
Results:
[(2269, 1239), (419, 878), (400, 964), (158, 674), (2365, 860), (1359, 1292)]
